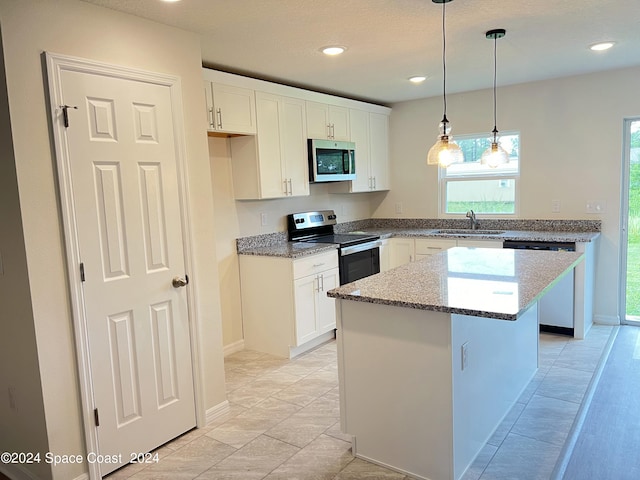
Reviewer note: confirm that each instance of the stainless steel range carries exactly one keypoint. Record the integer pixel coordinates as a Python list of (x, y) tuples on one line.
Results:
[(359, 254)]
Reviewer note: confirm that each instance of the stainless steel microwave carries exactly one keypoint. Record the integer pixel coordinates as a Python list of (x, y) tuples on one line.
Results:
[(331, 161)]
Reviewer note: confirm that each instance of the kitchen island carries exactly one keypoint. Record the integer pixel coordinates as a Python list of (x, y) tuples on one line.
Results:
[(433, 354)]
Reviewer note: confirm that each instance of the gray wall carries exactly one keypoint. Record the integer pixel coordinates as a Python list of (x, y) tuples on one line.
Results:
[(21, 407)]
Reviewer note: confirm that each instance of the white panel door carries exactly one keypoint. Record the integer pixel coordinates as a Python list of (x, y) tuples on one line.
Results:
[(122, 155)]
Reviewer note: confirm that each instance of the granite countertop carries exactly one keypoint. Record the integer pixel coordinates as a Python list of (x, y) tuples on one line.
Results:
[(290, 249), (483, 282), (481, 234), (277, 244)]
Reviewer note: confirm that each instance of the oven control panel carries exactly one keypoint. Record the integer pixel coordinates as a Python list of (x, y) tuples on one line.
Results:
[(301, 221)]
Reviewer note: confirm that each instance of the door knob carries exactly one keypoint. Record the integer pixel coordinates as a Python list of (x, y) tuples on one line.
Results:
[(178, 282)]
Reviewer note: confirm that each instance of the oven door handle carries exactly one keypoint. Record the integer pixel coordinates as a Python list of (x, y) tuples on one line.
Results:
[(360, 248)]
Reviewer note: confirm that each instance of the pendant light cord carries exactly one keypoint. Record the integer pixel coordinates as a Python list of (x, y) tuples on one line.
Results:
[(444, 68), (495, 74)]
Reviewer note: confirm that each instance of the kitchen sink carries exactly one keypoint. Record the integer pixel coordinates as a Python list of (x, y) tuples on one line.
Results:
[(468, 231)]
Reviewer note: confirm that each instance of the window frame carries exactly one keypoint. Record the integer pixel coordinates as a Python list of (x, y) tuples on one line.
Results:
[(443, 180)]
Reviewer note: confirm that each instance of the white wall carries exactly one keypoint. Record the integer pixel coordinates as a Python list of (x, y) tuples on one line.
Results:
[(571, 151), (70, 27)]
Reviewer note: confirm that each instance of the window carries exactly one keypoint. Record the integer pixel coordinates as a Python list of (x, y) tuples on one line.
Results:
[(472, 186)]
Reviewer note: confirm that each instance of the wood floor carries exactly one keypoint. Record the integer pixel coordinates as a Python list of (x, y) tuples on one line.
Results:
[(607, 441)]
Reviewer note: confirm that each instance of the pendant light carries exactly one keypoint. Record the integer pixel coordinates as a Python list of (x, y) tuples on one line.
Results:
[(495, 155), (445, 151)]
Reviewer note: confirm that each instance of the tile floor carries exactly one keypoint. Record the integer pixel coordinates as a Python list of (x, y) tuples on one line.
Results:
[(283, 422)]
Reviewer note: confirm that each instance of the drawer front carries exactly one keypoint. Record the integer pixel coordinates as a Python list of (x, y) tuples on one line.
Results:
[(315, 264), (431, 246)]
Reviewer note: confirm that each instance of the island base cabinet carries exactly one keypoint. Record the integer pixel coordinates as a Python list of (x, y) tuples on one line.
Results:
[(409, 397)]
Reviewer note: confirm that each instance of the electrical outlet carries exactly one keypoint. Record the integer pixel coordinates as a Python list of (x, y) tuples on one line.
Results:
[(399, 207), (464, 357), (555, 206), (264, 219), (594, 206)]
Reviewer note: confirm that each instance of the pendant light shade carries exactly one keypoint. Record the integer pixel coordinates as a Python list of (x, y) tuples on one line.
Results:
[(445, 151), (495, 155)]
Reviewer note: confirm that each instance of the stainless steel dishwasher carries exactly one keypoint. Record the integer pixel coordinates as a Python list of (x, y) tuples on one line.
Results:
[(556, 308)]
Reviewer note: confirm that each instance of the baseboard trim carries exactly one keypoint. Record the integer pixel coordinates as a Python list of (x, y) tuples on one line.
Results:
[(233, 347), (606, 319), (216, 412), (311, 344)]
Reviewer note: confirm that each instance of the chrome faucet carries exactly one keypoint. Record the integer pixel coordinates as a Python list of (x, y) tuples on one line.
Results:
[(472, 216)]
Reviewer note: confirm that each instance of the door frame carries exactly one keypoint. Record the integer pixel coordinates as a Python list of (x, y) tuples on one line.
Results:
[(624, 219), (56, 64)]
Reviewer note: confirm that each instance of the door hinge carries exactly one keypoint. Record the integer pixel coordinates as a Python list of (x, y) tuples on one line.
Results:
[(81, 271), (96, 417)]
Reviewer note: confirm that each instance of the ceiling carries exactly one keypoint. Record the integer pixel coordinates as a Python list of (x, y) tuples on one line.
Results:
[(390, 40)]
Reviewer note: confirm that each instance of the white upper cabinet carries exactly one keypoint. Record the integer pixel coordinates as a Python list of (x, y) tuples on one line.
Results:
[(359, 126), (272, 164), (230, 109), (268, 124), (325, 121), (379, 151), (370, 132)]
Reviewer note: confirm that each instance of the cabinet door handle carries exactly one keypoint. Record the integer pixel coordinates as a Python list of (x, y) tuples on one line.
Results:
[(286, 190), (316, 265), (212, 121), (374, 183), (219, 113), (290, 188), (320, 283)]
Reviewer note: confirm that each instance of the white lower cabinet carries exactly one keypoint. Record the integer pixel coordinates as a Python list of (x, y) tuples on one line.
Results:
[(404, 250), (385, 254), (315, 312), (285, 308), (430, 246)]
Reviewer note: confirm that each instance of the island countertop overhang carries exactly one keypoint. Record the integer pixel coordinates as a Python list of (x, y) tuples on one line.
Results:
[(483, 282)]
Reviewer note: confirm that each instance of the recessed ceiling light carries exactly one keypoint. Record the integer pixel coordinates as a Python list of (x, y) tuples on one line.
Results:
[(417, 79), (170, 1), (598, 47), (333, 50)]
